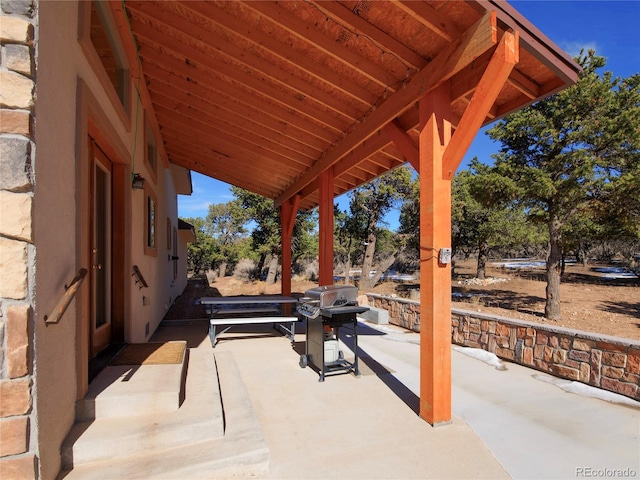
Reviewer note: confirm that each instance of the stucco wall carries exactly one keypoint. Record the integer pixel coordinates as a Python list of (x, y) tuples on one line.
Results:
[(49, 90), (55, 227), (601, 361)]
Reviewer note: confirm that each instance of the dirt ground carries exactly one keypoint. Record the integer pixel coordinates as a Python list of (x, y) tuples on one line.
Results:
[(589, 302)]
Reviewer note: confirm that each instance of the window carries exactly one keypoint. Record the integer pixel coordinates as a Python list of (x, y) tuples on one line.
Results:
[(105, 45), (150, 223)]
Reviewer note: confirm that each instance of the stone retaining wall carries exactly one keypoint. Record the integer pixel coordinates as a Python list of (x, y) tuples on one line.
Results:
[(602, 361)]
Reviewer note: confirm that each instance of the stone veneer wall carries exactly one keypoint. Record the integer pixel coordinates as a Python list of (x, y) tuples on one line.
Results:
[(601, 361), (18, 445)]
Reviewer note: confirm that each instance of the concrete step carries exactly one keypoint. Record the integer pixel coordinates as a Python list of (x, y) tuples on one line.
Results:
[(124, 391), (199, 440), (216, 459), (199, 418)]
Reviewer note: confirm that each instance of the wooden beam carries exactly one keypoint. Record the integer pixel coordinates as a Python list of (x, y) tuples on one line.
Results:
[(404, 142), (288, 212), (435, 278), (326, 229), (474, 42), (492, 82)]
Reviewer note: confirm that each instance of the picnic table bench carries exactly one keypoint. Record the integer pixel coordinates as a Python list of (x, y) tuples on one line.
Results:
[(230, 311)]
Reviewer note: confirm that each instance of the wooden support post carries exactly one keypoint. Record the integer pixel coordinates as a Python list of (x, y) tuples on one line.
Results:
[(288, 212), (326, 228), (435, 278)]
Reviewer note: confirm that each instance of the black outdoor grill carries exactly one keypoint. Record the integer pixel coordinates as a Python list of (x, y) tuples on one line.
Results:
[(327, 309)]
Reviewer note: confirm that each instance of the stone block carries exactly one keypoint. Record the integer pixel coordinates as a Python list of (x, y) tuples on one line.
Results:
[(505, 353), (23, 467), (583, 344), (585, 372), (13, 269), (633, 361), (611, 347), (565, 372), (527, 356), (15, 29), (16, 397), (614, 359), (554, 341), (15, 121), (579, 355), (18, 59), (612, 372), (17, 353), (376, 315), (565, 343), (541, 338), (15, 221), (559, 356), (18, 7), (16, 91), (623, 388), (13, 435), (15, 164)]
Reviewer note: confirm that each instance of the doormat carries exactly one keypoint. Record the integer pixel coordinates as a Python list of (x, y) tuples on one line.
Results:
[(150, 354)]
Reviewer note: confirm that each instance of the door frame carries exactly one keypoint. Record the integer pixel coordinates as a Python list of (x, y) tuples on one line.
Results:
[(100, 235)]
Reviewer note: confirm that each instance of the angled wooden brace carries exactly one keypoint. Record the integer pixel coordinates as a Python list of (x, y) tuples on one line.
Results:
[(404, 143), (288, 212), (493, 80)]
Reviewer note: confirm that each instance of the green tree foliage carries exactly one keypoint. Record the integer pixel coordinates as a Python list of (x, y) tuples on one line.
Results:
[(201, 253), (266, 239), (226, 224), (572, 152), (369, 203), (486, 215)]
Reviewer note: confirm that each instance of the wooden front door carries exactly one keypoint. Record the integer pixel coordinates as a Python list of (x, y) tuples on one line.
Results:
[(101, 252)]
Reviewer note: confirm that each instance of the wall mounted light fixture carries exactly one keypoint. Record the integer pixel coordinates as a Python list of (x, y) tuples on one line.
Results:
[(137, 182)]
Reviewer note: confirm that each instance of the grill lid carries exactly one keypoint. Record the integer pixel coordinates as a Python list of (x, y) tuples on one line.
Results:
[(331, 295)]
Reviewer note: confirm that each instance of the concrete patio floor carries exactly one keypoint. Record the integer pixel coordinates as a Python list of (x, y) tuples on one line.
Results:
[(507, 423)]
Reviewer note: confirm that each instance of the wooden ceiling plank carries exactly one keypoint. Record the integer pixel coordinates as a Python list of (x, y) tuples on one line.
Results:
[(202, 61), (282, 51), (228, 49), (314, 37), (276, 117), (221, 143), (239, 151), (432, 18), (282, 144), (361, 26), (502, 63), (239, 181), (474, 42), (232, 127)]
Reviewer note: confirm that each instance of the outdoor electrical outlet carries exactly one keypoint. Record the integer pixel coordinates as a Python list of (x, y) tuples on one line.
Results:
[(445, 256)]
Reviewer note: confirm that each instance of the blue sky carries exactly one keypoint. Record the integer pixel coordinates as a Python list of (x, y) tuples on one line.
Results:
[(611, 28)]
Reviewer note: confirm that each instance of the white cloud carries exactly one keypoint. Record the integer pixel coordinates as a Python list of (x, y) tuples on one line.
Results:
[(573, 48)]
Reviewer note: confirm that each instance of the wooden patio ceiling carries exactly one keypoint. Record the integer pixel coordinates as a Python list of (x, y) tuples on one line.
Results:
[(267, 95)]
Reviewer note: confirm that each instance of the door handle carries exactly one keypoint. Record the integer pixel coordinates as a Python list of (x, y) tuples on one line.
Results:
[(97, 266)]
